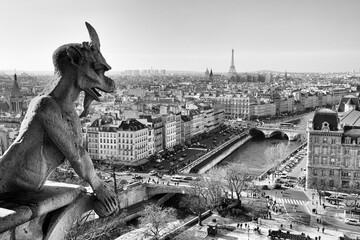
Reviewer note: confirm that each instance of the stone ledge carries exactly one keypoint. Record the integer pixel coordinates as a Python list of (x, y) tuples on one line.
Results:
[(19, 208)]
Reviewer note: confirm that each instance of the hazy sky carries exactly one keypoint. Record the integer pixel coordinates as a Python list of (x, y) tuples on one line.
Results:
[(292, 35)]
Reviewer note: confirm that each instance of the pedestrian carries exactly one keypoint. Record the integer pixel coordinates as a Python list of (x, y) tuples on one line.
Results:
[(317, 220), (316, 238), (319, 237), (281, 226), (245, 225), (323, 229), (290, 225), (318, 228), (240, 225)]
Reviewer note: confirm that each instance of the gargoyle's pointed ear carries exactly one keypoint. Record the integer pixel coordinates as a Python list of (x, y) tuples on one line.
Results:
[(75, 55), (93, 36)]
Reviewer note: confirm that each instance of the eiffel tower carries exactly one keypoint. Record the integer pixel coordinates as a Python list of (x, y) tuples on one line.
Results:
[(232, 71)]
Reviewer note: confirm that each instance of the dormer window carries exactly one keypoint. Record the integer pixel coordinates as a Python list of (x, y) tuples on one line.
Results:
[(325, 126)]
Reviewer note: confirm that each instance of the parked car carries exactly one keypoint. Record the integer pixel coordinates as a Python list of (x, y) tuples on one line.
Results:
[(352, 221), (137, 177), (176, 179), (127, 173), (107, 179), (152, 172)]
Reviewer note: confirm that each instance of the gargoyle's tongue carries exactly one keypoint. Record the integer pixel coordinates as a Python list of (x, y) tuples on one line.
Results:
[(93, 93), (87, 102)]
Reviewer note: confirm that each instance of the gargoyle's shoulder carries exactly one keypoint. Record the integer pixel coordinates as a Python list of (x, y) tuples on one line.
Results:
[(44, 103)]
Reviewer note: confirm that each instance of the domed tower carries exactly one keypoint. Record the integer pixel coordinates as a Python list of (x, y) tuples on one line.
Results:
[(324, 151), (16, 98)]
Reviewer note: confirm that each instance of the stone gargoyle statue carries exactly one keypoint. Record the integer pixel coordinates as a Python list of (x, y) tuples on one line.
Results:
[(51, 130)]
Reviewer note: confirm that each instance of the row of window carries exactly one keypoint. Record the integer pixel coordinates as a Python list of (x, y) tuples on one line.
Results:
[(330, 184), (332, 161), (324, 172), (324, 161), (124, 135), (335, 150), (325, 139), (333, 172)]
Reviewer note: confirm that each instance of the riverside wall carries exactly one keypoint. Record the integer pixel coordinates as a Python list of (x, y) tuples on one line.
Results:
[(223, 155), (205, 158)]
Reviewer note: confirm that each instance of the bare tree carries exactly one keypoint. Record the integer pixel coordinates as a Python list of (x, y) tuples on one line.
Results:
[(213, 182), (236, 177), (320, 186), (274, 154), (351, 201), (155, 219), (196, 200)]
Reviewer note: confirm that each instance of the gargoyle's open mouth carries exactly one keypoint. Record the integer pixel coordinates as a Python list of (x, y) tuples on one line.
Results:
[(93, 92)]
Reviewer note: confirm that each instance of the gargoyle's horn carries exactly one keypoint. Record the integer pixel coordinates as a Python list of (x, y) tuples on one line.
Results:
[(93, 35)]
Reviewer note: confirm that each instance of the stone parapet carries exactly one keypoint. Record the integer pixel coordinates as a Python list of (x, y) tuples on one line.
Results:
[(47, 214)]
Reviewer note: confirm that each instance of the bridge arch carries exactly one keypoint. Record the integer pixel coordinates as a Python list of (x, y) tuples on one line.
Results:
[(278, 133), (254, 132), (270, 133)]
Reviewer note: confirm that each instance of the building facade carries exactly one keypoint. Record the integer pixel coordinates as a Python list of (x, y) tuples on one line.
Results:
[(333, 153), (169, 131)]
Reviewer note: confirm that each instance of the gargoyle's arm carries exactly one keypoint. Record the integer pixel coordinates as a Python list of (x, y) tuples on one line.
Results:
[(60, 130)]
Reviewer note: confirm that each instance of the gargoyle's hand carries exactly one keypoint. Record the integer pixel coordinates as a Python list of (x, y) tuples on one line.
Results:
[(107, 203)]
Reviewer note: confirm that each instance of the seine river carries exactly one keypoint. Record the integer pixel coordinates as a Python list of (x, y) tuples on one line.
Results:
[(253, 156), (252, 153)]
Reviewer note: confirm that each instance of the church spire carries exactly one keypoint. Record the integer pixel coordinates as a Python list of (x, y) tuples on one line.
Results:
[(15, 91)]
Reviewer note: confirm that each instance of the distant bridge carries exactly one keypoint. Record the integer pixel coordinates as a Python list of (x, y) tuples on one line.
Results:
[(271, 130)]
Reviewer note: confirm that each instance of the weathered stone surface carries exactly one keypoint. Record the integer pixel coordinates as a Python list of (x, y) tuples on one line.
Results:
[(51, 130), (17, 209), (6, 235), (63, 218), (30, 230)]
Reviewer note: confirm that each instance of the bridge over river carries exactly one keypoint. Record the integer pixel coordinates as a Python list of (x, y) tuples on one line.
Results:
[(271, 130)]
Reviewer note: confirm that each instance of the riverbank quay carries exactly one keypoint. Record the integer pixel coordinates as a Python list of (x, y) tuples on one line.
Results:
[(247, 230), (267, 174), (216, 155)]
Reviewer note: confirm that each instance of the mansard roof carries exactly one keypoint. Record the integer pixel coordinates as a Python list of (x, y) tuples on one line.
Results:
[(349, 100), (325, 115), (131, 125)]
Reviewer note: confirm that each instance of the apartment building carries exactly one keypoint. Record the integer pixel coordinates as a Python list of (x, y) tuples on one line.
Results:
[(178, 128), (197, 123), (169, 131), (133, 141), (263, 109), (157, 126), (236, 105), (334, 151), (185, 129)]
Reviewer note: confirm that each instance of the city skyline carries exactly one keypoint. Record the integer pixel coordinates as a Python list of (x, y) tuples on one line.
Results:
[(296, 36)]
